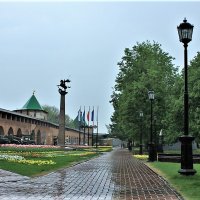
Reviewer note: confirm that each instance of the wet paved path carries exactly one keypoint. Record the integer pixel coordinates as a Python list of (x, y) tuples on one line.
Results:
[(112, 176)]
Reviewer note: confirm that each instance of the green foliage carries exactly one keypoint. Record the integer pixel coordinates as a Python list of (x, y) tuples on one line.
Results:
[(94, 149), (53, 116), (141, 157), (194, 96), (186, 185), (59, 158), (104, 148), (144, 67), (173, 120), (147, 67), (28, 149), (53, 113)]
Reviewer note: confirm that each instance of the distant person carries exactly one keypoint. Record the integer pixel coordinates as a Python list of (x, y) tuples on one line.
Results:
[(129, 145), (55, 141)]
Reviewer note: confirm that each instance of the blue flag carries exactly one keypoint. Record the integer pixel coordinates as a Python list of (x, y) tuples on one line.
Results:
[(92, 115), (79, 115), (83, 118)]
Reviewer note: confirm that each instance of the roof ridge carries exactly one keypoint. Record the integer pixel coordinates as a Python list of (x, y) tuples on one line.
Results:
[(32, 104)]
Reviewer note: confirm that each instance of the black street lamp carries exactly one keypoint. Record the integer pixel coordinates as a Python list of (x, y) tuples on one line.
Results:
[(152, 150), (155, 132), (185, 30), (161, 141), (141, 116)]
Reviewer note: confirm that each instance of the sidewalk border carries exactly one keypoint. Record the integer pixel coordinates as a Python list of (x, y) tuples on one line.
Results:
[(166, 181)]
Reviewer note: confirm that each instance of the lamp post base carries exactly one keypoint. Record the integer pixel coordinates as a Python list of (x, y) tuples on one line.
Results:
[(186, 156), (152, 152), (160, 148), (187, 172)]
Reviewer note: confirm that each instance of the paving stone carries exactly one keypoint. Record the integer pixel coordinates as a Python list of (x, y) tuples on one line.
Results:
[(113, 176)]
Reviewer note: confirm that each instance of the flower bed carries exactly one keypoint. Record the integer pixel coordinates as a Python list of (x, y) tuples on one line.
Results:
[(31, 160), (10, 157), (21, 159), (82, 154), (141, 157), (30, 146), (35, 162)]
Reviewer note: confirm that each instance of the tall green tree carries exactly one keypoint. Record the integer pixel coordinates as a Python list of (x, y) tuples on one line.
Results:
[(53, 116), (194, 97), (144, 67), (173, 119)]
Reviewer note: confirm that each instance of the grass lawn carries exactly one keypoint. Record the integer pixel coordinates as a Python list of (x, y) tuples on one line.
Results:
[(37, 161), (187, 186)]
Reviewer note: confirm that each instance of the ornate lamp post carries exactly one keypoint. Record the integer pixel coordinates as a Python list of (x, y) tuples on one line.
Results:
[(161, 141), (185, 30), (62, 90), (141, 116), (152, 151), (155, 136)]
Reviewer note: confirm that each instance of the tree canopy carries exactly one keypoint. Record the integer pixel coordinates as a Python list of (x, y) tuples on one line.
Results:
[(147, 67), (53, 116)]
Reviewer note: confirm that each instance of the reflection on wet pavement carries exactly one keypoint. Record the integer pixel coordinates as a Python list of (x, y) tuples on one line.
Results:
[(112, 176)]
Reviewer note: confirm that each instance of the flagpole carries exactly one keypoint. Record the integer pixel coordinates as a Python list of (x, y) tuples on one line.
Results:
[(92, 135), (97, 127), (84, 134), (92, 126), (88, 118), (84, 127), (79, 119)]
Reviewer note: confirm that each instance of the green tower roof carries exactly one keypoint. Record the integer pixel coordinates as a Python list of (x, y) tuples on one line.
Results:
[(32, 104)]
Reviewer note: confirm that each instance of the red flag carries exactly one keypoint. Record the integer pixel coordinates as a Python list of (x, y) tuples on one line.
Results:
[(88, 116)]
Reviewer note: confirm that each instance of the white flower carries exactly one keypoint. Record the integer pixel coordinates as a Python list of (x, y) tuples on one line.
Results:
[(10, 157)]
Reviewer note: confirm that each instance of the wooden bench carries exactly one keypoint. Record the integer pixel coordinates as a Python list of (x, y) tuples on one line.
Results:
[(176, 158)]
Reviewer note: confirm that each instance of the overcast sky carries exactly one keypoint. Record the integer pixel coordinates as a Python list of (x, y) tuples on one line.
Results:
[(44, 42)]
